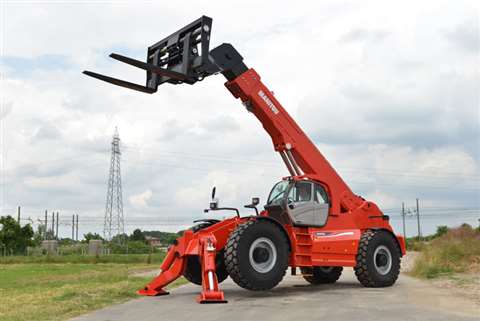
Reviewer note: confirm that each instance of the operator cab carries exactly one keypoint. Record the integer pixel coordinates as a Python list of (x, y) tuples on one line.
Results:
[(301, 203)]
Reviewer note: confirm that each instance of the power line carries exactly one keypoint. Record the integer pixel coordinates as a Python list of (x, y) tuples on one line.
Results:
[(396, 172)]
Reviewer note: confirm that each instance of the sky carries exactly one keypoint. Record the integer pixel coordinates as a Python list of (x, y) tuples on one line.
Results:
[(388, 91)]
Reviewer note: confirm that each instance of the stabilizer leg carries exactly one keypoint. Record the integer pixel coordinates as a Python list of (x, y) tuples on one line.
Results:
[(210, 289), (171, 268)]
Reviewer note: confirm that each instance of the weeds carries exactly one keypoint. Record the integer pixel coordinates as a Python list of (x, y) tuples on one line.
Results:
[(458, 250)]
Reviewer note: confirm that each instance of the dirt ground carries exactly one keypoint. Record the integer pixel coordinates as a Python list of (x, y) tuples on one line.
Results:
[(465, 285)]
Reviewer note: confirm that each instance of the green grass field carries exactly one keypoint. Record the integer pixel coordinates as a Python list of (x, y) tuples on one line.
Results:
[(155, 258), (59, 291)]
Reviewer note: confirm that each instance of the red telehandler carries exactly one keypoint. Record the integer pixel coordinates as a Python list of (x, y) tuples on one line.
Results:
[(312, 221)]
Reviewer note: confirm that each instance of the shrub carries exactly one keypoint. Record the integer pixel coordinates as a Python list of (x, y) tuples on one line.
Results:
[(458, 250)]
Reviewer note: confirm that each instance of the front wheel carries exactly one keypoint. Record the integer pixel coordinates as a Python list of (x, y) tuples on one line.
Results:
[(378, 259), (256, 255)]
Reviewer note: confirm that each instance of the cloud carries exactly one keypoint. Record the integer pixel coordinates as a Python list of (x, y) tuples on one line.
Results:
[(141, 200), (6, 109), (466, 36), (387, 91), (364, 35), (47, 132)]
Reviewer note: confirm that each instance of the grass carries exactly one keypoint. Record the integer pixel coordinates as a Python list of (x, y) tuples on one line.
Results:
[(59, 291), (85, 259), (455, 252)]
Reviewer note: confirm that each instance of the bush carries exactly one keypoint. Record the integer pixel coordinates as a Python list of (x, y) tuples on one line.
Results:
[(78, 249), (458, 250), (413, 244), (131, 247), (441, 230)]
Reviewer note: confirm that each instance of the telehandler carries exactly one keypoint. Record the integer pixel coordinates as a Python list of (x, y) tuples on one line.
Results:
[(312, 222)]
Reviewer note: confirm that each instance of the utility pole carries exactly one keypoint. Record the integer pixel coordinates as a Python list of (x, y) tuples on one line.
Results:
[(73, 227), (403, 219), (53, 224), (46, 224), (418, 221), (77, 229), (56, 234), (18, 215)]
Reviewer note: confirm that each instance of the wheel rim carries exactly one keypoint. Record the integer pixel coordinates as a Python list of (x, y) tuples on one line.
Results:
[(262, 255), (382, 258)]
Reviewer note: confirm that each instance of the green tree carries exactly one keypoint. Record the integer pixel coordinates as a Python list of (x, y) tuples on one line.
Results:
[(441, 230), (119, 239), (13, 237), (91, 236), (166, 238), (137, 235)]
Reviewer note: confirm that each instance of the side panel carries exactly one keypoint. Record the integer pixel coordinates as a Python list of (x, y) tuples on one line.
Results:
[(334, 247)]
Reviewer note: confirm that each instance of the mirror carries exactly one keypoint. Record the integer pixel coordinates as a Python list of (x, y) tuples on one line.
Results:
[(255, 201), (214, 189), (214, 201)]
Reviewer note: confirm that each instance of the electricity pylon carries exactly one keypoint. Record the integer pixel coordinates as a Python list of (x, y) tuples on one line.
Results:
[(114, 221)]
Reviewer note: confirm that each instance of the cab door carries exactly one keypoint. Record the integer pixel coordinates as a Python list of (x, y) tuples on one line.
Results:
[(321, 205), (300, 205)]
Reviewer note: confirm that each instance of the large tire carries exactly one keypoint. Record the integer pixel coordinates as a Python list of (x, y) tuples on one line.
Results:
[(256, 255), (193, 269), (322, 274), (378, 259)]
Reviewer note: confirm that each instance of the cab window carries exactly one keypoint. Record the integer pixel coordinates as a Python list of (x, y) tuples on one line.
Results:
[(301, 192), (277, 194), (320, 195)]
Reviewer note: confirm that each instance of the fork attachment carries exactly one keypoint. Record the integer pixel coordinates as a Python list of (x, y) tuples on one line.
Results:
[(182, 57)]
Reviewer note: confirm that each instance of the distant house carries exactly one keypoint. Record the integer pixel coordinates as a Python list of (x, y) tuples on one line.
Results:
[(153, 241)]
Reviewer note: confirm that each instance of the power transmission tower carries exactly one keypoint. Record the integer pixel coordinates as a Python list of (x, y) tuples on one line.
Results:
[(114, 222)]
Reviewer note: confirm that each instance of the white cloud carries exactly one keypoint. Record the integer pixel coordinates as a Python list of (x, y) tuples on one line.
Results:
[(395, 108), (141, 200)]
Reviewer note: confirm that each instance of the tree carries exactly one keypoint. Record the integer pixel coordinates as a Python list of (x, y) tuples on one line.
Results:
[(165, 237), (119, 239), (441, 230), (91, 236), (138, 235), (13, 237)]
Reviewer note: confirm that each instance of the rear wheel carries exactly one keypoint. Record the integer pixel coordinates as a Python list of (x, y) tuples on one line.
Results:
[(378, 259), (256, 255), (193, 269), (322, 274)]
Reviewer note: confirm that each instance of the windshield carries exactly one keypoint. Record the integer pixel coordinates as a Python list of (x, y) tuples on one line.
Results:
[(277, 193)]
